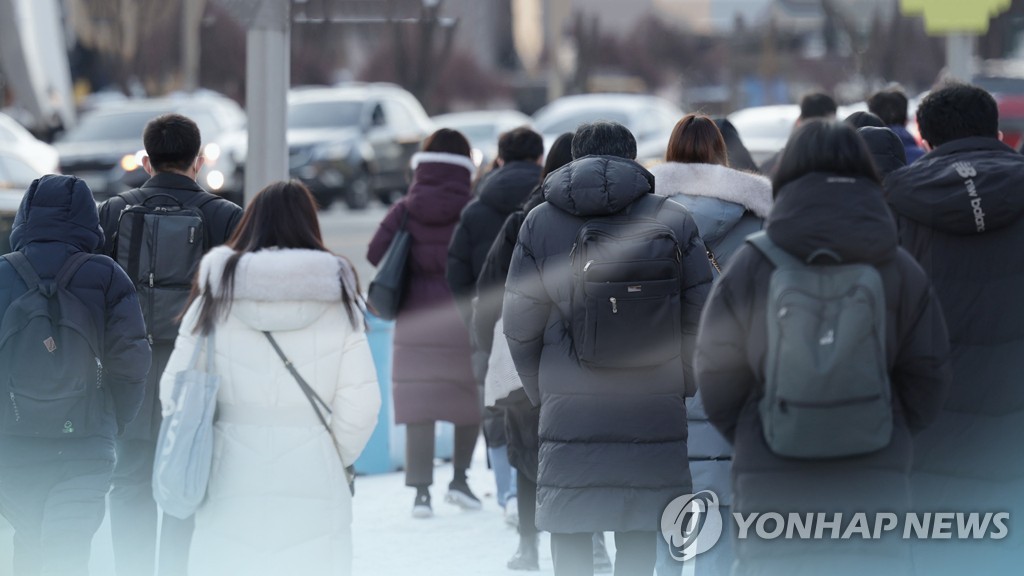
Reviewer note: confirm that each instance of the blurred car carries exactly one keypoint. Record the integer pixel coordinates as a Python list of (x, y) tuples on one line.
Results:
[(16, 139), (105, 149), (354, 142), (765, 129), (16, 176), (649, 118), (482, 128)]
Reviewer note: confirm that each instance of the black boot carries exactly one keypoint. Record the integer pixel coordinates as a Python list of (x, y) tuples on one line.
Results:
[(525, 557), (421, 505), (460, 494)]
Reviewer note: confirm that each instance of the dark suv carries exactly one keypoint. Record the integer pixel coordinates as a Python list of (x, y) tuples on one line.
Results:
[(354, 142)]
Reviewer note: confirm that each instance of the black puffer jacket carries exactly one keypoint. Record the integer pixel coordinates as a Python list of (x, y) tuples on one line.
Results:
[(502, 192), (887, 150), (613, 442), (56, 220), (960, 211), (848, 216), (220, 217)]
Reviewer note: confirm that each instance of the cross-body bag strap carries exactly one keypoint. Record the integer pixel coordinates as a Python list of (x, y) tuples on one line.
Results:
[(314, 400)]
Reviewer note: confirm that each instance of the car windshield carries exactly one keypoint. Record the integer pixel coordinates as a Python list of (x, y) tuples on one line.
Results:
[(116, 126), (324, 114), (568, 122)]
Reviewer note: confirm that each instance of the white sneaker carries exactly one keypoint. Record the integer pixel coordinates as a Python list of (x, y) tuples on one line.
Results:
[(512, 512)]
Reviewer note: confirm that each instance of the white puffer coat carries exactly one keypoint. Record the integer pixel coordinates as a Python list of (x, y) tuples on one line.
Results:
[(277, 501)]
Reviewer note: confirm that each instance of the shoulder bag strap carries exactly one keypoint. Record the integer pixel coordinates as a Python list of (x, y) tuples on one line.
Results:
[(24, 268)]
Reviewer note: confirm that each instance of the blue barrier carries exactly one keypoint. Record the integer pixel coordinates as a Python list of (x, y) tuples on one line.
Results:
[(385, 452)]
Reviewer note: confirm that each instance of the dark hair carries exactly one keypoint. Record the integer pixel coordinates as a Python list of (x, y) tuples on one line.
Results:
[(520, 144), (447, 140), (817, 105), (172, 142), (559, 155), (862, 119), (739, 156), (603, 138), (697, 140), (957, 111), (282, 215), (824, 146), (889, 105)]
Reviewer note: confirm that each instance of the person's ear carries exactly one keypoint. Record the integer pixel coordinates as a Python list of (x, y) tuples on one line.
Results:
[(199, 163), (925, 145), (147, 165), (1000, 135)]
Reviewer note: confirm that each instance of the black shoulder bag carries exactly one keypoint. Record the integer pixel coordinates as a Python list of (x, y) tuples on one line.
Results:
[(388, 286)]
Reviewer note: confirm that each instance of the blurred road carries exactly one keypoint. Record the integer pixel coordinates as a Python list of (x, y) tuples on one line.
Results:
[(348, 233)]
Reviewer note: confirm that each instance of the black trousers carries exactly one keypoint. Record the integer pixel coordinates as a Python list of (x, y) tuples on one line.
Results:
[(133, 517), (419, 451), (55, 508), (573, 554), (526, 503)]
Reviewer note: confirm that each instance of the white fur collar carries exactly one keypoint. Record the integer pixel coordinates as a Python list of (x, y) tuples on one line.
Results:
[(443, 158), (751, 191), (280, 274)]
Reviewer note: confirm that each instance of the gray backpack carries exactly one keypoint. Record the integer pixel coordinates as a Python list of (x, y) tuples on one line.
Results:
[(827, 391)]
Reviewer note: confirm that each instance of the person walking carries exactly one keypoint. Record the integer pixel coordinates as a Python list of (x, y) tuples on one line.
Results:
[(433, 380), (173, 160), (961, 215), (612, 411), (277, 500), (727, 206), (54, 479), (891, 106), (828, 205)]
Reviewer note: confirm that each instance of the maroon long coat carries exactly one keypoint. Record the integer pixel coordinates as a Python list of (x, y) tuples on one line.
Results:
[(432, 377)]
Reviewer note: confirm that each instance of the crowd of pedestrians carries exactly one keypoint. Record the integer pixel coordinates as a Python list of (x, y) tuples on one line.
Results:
[(832, 333)]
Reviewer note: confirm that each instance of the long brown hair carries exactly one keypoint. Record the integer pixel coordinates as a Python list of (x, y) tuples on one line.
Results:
[(697, 140), (282, 215)]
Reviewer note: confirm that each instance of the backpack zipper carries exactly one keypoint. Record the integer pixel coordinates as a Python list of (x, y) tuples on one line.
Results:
[(615, 306), (784, 403), (14, 404)]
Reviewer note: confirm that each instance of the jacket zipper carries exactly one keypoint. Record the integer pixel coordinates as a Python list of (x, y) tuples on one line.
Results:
[(14, 404)]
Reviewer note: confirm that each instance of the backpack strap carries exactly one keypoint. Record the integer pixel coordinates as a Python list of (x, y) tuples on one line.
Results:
[(198, 201), (776, 255), (70, 267), (24, 269)]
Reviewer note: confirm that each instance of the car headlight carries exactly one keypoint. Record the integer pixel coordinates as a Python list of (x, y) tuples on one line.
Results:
[(132, 162), (215, 180), (332, 151), (212, 152)]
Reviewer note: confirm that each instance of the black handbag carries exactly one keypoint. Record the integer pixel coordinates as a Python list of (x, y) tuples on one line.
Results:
[(388, 286)]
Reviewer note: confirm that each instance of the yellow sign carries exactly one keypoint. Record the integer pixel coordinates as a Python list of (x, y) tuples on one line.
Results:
[(945, 16)]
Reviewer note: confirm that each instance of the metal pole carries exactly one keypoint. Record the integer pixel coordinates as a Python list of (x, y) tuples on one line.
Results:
[(266, 95), (192, 21), (960, 55)]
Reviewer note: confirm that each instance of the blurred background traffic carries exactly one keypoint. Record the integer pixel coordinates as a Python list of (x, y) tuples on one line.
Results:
[(370, 78)]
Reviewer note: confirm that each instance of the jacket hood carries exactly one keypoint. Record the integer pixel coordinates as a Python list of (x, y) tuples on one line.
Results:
[(58, 209), (597, 185), (845, 215), (266, 293), (506, 188), (887, 149), (751, 191), (967, 186), (440, 187)]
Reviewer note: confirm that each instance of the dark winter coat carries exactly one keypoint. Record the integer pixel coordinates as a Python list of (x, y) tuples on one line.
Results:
[(432, 376), (727, 206), (613, 442), (887, 151), (56, 220), (220, 217), (849, 217), (960, 211), (910, 146)]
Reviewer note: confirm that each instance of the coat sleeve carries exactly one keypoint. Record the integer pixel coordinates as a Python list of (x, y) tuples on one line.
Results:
[(723, 374), (234, 217), (490, 286), (385, 233), (126, 355), (459, 270), (697, 277), (525, 312), (922, 375), (184, 345), (356, 402)]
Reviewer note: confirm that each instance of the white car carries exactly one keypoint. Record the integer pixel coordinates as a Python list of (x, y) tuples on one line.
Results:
[(15, 139), (765, 129)]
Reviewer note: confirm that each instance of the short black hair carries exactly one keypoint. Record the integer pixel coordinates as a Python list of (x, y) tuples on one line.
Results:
[(172, 142), (889, 105), (817, 105), (603, 138), (860, 119), (520, 144), (449, 141), (824, 146), (955, 111)]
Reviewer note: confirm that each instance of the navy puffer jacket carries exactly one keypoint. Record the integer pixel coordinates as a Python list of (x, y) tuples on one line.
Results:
[(56, 220)]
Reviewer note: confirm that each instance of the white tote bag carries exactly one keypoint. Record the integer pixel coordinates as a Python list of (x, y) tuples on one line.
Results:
[(502, 378)]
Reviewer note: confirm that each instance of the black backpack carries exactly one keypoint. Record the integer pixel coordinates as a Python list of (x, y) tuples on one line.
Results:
[(627, 281), (159, 245), (50, 369)]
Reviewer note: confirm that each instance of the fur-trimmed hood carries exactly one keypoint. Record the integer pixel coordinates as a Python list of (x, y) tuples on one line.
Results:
[(751, 191), (279, 289)]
